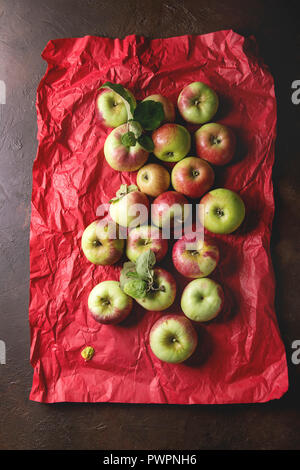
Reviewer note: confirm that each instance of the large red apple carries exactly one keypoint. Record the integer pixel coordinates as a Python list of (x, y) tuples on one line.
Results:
[(215, 143), (192, 176), (195, 261), (169, 207)]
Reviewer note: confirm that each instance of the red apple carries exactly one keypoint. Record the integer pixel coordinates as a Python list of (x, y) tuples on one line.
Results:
[(153, 179), (169, 207), (198, 261), (215, 143), (192, 176), (143, 238)]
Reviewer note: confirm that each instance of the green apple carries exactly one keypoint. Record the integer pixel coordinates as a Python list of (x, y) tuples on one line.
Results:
[(163, 294), (111, 108), (202, 299), (130, 208), (173, 339), (108, 304), (224, 211), (172, 142), (198, 103), (100, 244)]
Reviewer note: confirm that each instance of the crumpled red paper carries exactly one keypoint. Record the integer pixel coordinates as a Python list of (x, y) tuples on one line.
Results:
[(240, 357)]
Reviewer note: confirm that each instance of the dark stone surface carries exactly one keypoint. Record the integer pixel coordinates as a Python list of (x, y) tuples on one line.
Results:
[(25, 28)]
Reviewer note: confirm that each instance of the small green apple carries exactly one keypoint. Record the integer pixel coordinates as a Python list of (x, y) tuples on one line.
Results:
[(111, 108), (173, 339), (202, 299), (224, 211), (163, 294)]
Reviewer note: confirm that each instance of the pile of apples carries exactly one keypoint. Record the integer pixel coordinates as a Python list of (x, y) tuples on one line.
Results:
[(141, 129)]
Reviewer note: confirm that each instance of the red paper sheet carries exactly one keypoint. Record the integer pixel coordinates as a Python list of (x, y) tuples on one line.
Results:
[(241, 357)]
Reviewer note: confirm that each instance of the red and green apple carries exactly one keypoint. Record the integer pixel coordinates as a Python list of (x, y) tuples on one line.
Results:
[(143, 238), (197, 262), (192, 177), (172, 142), (108, 304), (215, 143), (122, 157)]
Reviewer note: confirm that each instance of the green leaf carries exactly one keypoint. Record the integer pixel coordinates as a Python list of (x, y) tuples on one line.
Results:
[(135, 127), (144, 265), (128, 139), (136, 288), (127, 99), (122, 191), (146, 142), (127, 270), (149, 114)]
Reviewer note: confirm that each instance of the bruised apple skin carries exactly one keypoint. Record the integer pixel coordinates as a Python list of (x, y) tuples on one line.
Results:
[(192, 177), (215, 143), (202, 300), (172, 142), (197, 262), (100, 244), (111, 108), (164, 294), (198, 103), (119, 156), (108, 304), (168, 106), (143, 238), (173, 339)]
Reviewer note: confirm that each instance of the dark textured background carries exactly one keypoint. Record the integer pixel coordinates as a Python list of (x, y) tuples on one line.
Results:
[(25, 28)]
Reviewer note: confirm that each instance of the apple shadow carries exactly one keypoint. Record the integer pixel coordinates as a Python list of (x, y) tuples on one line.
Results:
[(135, 316), (203, 350), (230, 308), (224, 109)]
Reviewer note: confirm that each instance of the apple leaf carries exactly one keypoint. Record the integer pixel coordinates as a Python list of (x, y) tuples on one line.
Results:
[(135, 127), (126, 97), (144, 265), (146, 142), (136, 288), (127, 272), (128, 139), (122, 191), (149, 114)]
